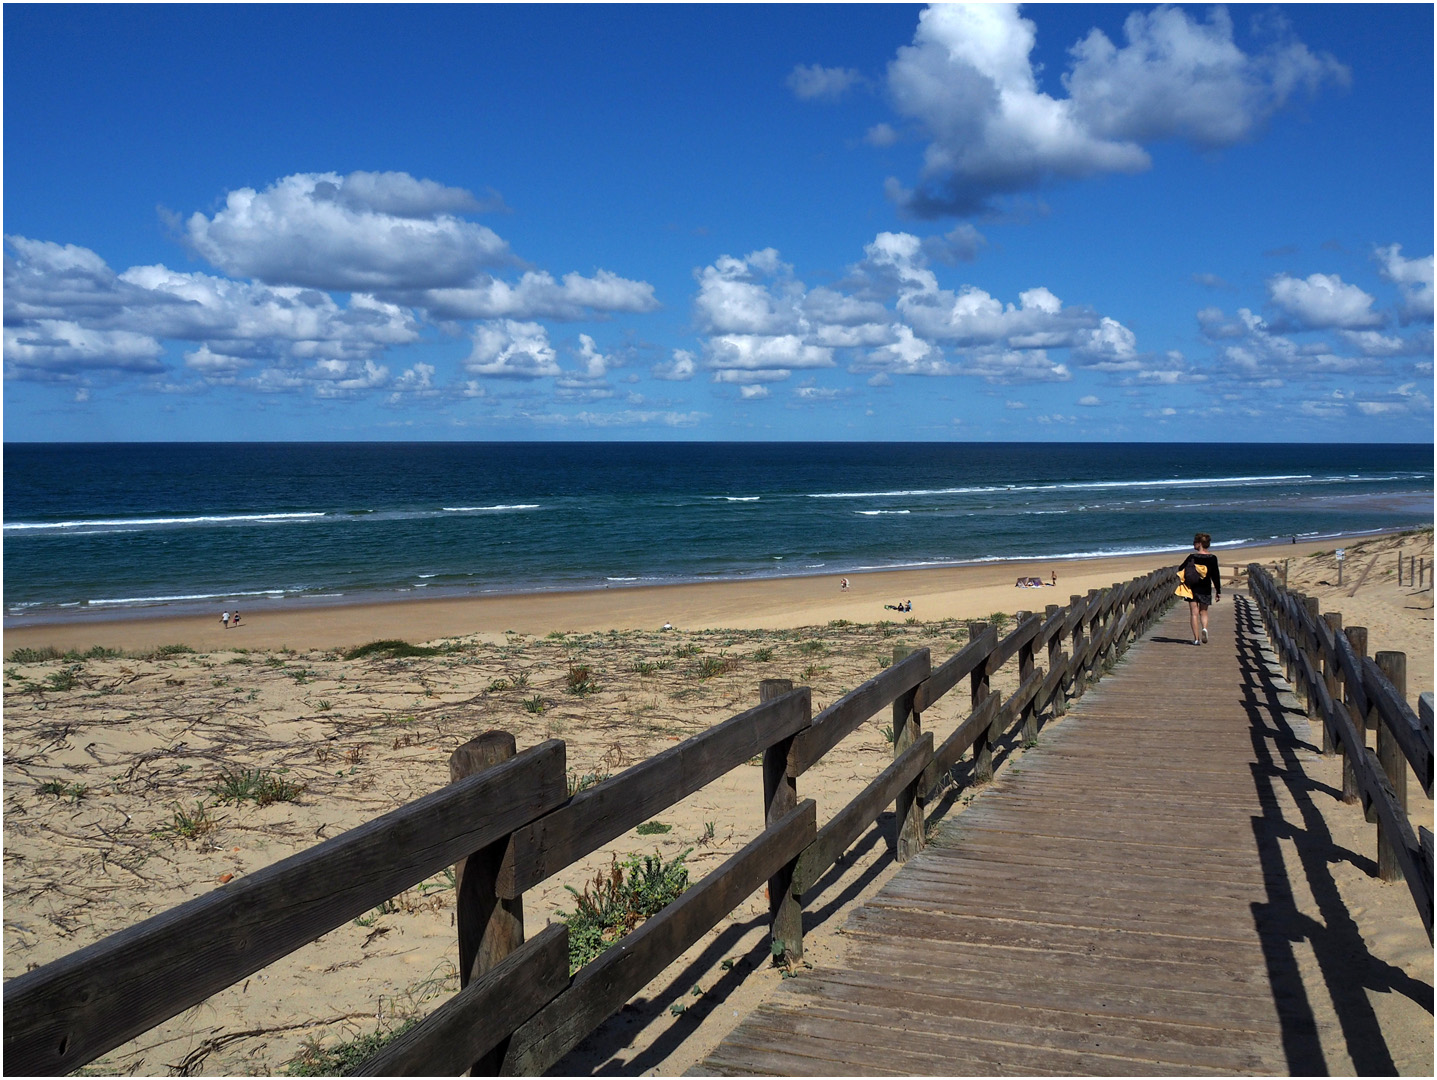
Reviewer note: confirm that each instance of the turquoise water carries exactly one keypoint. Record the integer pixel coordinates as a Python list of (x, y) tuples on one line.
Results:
[(91, 530)]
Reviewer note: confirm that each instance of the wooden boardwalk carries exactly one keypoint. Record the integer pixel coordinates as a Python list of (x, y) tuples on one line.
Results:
[(1100, 910)]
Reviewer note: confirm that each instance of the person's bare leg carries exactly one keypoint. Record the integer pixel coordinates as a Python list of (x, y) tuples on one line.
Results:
[(1197, 620)]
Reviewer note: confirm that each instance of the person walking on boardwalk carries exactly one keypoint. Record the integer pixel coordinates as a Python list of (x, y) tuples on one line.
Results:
[(1200, 583)]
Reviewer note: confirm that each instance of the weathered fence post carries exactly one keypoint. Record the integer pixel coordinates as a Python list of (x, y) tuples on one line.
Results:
[(1026, 667), (908, 810), (1095, 632), (1331, 679), (489, 928), (1075, 678), (1314, 660), (1357, 638), (1055, 657), (780, 797), (980, 686), (1394, 763)]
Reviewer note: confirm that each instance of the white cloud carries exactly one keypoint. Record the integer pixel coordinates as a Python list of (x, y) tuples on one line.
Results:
[(1003, 366), (622, 418), (1110, 346), (968, 83), (507, 349), (1176, 77), (1414, 276), (733, 298), (814, 82), (1322, 301), (125, 316), (1089, 401), (366, 232), (734, 375), (538, 296), (345, 378), (1015, 405), (753, 393), (45, 348), (596, 364), (415, 382), (881, 135), (680, 368), (216, 365), (819, 393), (1376, 343), (906, 354), (752, 352)]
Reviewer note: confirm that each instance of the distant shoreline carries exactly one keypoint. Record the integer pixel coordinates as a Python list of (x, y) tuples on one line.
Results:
[(966, 592), (275, 601)]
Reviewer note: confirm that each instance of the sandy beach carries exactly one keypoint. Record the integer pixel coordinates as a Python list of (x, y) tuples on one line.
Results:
[(114, 766), (966, 592)]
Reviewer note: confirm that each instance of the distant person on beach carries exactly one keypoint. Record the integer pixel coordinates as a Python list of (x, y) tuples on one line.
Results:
[(1200, 583), (234, 619), (1054, 582), (225, 620), (843, 584)]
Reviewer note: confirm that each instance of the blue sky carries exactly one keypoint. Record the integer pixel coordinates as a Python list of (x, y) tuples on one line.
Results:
[(719, 222)]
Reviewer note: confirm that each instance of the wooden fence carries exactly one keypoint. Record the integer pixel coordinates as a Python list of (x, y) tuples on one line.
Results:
[(1350, 694), (507, 823)]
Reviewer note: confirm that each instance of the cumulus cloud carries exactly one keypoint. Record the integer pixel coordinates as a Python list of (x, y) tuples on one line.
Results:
[(66, 308), (47, 348), (968, 84), (814, 82), (367, 232), (1376, 343), (1001, 366), (1250, 349), (1320, 302), (590, 381), (507, 349), (537, 295), (1177, 77), (1413, 277), (1109, 346), (680, 368), (753, 393)]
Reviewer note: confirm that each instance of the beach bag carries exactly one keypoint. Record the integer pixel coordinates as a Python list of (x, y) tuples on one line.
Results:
[(1193, 575)]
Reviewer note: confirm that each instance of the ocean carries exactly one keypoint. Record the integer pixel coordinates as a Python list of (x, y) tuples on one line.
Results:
[(95, 530)]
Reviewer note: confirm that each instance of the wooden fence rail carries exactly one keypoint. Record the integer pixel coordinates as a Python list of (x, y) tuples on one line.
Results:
[(507, 824), (1350, 694)]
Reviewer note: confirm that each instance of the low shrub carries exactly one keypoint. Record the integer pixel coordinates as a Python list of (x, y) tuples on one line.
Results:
[(391, 648), (616, 902)]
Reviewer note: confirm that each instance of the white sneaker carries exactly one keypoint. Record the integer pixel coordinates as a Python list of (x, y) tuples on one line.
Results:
[(1196, 641), (1204, 635)]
